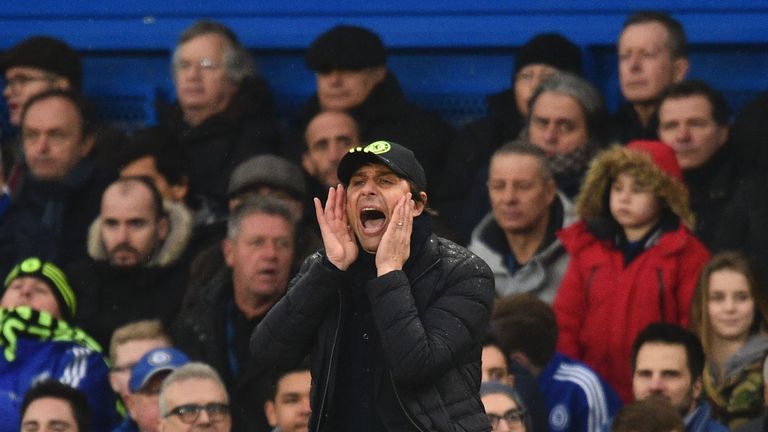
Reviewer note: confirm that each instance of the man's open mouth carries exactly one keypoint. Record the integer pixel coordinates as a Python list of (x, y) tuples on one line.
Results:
[(373, 220)]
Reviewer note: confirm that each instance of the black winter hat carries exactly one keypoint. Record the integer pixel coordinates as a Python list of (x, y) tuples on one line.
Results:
[(399, 159), (46, 53), (550, 49), (346, 48)]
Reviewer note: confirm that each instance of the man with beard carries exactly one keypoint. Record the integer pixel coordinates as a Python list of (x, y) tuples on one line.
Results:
[(667, 362), (391, 314), (136, 267)]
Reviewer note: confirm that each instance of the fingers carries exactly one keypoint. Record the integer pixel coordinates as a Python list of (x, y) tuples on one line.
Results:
[(341, 203)]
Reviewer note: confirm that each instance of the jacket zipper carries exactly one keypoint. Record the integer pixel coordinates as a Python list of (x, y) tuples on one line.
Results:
[(330, 368), (400, 402)]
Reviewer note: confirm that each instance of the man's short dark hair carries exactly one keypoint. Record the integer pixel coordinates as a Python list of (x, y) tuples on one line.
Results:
[(82, 106), (671, 334), (157, 199), (53, 389), (170, 159), (261, 204), (690, 88), (678, 42), (525, 148), (278, 374), (525, 323)]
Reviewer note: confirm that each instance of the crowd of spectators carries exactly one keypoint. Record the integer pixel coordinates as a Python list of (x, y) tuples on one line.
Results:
[(143, 271)]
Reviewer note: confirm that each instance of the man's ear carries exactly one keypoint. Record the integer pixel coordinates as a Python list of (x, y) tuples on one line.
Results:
[(696, 388), (86, 145), (163, 228), (180, 191), (420, 206), (226, 249), (269, 410), (379, 73), (307, 165), (130, 404), (680, 68), (113, 382)]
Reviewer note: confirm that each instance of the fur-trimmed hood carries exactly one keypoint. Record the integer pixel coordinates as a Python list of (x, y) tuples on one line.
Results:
[(649, 163), (179, 234)]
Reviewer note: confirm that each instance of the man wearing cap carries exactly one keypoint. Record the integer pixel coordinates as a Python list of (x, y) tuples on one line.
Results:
[(263, 175), (223, 112), (144, 385), (35, 65), (350, 65), (215, 326), (536, 60), (137, 263), (391, 315), (37, 342)]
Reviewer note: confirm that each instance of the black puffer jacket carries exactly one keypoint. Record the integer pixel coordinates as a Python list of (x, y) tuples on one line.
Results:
[(429, 318)]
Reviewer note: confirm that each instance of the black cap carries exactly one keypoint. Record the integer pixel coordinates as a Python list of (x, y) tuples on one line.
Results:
[(550, 49), (48, 54), (394, 156), (346, 48)]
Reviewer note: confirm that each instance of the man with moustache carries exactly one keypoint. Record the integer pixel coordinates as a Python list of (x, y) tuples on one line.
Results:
[(136, 267), (391, 314)]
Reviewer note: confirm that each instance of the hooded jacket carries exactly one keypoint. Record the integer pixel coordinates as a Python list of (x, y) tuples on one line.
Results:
[(603, 302), (429, 318), (113, 296), (541, 275), (739, 397)]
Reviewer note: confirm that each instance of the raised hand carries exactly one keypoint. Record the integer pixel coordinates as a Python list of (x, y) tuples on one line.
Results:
[(395, 246), (338, 240)]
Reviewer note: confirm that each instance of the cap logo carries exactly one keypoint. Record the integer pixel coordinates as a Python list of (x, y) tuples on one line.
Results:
[(159, 358), (378, 147), (31, 265)]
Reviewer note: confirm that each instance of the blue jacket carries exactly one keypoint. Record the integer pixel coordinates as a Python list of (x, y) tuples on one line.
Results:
[(700, 420), (37, 347), (577, 399)]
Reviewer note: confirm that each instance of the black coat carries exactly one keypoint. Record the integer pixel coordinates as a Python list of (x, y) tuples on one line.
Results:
[(201, 332), (110, 297), (429, 319), (626, 126), (51, 219), (469, 156), (749, 136), (215, 147), (386, 115)]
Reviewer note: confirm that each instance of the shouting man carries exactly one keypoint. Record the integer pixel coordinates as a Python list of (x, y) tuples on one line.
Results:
[(393, 313)]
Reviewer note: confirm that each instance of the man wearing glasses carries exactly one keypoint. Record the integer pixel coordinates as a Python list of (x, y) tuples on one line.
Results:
[(31, 67), (223, 111), (193, 397)]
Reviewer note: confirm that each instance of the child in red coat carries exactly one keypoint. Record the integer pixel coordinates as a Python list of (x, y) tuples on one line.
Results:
[(633, 258)]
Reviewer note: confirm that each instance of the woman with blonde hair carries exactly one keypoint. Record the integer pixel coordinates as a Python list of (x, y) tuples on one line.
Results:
[(730, 314)]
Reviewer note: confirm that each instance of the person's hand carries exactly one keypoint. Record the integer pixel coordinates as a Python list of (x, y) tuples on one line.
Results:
[(395, 246), (338, 240)]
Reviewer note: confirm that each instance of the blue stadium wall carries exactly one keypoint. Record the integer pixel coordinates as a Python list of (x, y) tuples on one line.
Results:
[(447, 54)]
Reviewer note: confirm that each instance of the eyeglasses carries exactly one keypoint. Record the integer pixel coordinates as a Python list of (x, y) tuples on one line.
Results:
[(189, 413), (204, 64), (513, 417), (17, 82)]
